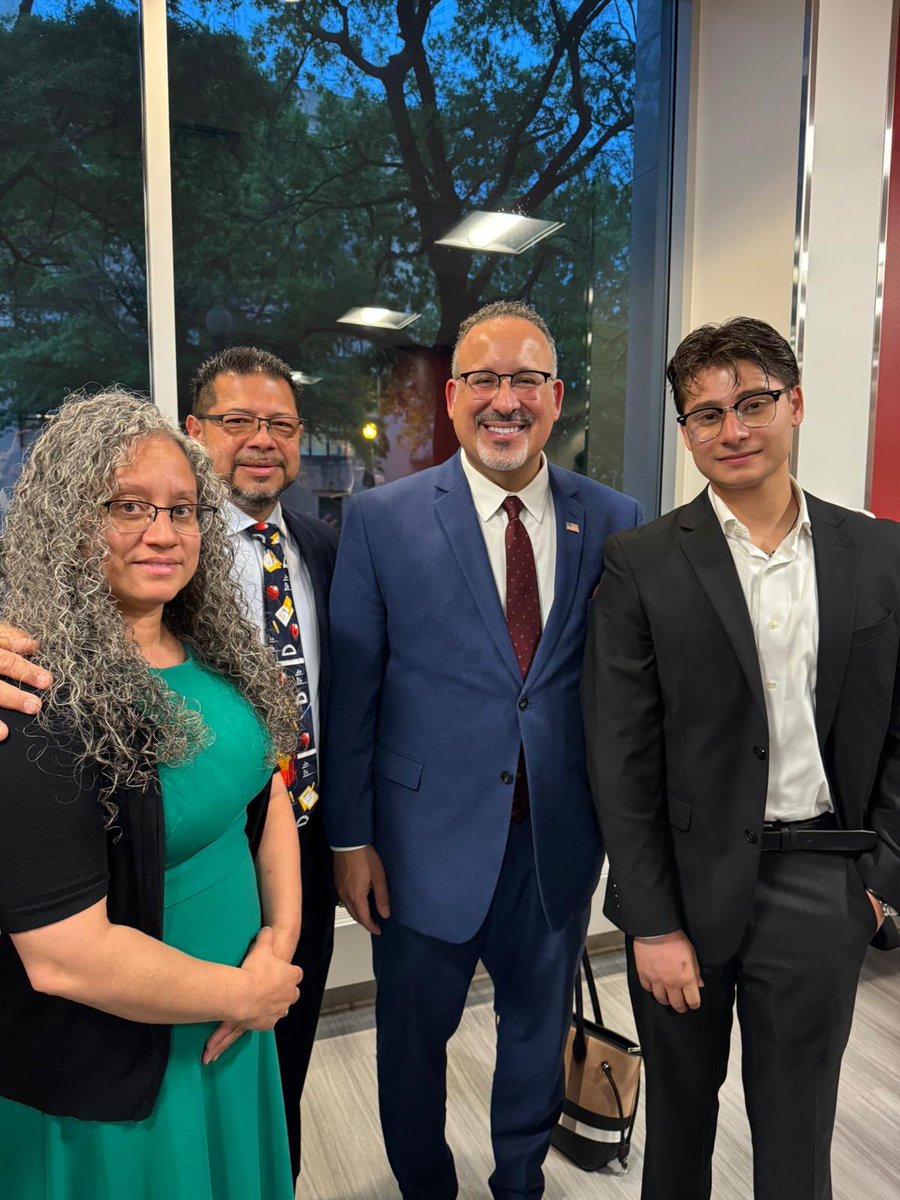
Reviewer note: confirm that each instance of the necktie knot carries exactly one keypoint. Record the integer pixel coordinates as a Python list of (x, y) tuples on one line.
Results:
[(512, 506)]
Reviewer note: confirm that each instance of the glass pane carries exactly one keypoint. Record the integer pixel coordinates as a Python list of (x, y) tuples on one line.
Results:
[(73, 310), (322, 170)]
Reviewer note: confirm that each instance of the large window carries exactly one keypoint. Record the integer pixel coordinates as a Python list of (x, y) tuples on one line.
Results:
[(349, 182), (406, 161), (73, 309)]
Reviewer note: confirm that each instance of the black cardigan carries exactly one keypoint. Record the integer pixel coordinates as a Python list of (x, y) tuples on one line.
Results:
[(57, 859)]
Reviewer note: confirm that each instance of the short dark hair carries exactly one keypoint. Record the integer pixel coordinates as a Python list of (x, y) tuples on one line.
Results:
[(238, 360), (503, 308), (742, 339)]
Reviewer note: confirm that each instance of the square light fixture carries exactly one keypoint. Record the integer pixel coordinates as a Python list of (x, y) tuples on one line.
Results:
[(498, 232), (305, 380), (377, 318)]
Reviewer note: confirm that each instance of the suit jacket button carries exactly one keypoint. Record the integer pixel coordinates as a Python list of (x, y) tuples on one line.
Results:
[(751, 836), (761, 753), (523, 703), (506, 777)]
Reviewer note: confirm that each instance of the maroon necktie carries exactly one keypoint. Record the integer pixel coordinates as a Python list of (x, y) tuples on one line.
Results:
[(523, 616)]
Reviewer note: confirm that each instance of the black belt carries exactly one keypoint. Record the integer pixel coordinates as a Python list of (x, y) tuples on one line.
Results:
[(819, 833)]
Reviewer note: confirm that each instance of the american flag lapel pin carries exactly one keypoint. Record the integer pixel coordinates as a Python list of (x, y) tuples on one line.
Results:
[(573, 527)]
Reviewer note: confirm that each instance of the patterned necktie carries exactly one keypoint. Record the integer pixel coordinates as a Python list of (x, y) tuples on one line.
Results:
[(523, 616), (300, 770)]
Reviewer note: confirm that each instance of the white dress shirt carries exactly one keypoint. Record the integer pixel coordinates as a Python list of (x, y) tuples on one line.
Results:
[(538, 515), (248, 555), (780, 590)]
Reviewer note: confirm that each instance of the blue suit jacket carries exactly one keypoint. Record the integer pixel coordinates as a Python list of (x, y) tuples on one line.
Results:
[(428, 707)]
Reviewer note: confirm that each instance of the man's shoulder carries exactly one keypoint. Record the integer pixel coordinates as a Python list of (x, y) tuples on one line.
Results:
[(400, 493), (312, 527), (593, 494), (862, 524), (665, 530)]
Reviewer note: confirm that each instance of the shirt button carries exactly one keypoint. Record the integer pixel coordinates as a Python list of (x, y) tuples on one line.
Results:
[(770, 684), (751, 836), (523, 703), (760, 752), (773, 624), (506, 777)]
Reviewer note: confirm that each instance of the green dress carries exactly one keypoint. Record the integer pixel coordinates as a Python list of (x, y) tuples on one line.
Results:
[(216, 1132)]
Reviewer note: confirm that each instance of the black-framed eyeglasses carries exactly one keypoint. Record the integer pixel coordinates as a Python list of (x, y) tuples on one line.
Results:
[(134, 516), (754, 411), (487, 383), (243, 424)]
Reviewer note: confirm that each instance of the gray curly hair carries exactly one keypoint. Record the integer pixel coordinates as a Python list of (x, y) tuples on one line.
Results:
[(51, 557)]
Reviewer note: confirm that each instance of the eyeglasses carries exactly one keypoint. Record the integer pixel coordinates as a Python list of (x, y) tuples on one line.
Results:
[(754, 412), (242, 424), (487, 383), (134, 516)]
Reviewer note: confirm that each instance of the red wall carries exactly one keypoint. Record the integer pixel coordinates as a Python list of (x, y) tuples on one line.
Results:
[(885, 498)]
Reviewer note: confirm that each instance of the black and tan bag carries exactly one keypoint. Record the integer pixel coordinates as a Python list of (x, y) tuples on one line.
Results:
[(603, 1082)]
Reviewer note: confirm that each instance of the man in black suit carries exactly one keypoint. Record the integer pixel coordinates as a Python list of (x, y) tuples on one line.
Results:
[(742, 715), (246, 412)]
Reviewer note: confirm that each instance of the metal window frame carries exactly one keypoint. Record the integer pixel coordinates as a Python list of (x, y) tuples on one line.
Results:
[(158, 207)]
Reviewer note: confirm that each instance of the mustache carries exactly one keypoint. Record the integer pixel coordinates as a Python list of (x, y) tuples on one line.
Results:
[(259, 462), (519, 416)]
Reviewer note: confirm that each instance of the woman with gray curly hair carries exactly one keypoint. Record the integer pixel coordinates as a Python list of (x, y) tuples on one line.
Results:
[(132, 957)]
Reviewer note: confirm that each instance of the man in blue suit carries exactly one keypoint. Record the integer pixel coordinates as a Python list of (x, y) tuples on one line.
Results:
[(458, 798)]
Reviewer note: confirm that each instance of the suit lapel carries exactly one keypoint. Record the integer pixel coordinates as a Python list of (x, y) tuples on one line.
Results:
[(569, 548), (704, 544), (455, 511), (321, 582), (313, 558), (836, 574)]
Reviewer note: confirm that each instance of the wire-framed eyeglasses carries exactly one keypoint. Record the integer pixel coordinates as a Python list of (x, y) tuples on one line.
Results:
[(135, 516), (754, 411), (244, 424)]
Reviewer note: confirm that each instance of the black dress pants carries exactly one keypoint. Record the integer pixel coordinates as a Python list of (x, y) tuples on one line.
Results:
[(794, 978), (295, 1033)]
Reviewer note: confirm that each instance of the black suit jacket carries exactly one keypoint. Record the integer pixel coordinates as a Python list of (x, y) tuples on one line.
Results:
[(676, 726), (317, 543)]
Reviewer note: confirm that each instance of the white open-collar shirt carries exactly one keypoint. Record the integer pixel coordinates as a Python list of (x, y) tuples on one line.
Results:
[(783, 603)]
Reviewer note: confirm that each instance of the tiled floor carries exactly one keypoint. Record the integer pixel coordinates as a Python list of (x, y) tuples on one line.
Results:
[(344, 1159)]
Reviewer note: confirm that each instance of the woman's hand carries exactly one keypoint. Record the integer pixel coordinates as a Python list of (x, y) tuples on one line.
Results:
[(274, 987)]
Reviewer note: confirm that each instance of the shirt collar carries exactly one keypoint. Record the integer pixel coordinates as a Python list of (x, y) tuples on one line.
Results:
[(734, 528), (238, 521), (488, 498)]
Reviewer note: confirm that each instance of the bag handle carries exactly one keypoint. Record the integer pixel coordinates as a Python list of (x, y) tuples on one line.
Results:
[(626, 1127), (579, 1044), (591, 985)]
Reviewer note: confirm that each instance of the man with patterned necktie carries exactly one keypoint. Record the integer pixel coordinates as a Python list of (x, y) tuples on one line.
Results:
[(457, 793), (246, 412)]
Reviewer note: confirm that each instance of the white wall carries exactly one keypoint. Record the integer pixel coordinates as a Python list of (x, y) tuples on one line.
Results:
[(853, 61), (741, 183), (740, 218)]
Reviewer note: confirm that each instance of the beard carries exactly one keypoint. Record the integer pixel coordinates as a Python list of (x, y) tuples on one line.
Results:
[(259, 497), (504, 457)]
